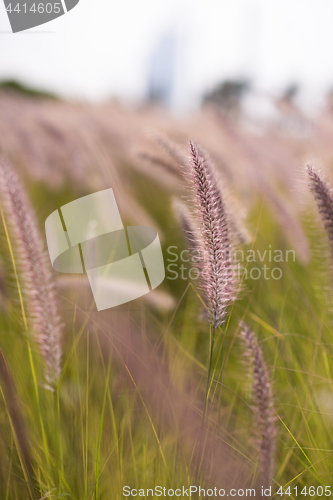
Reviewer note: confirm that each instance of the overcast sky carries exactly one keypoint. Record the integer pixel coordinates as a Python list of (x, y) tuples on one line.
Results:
[(105, 47)]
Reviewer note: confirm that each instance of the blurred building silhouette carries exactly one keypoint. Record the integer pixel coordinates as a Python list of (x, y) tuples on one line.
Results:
[(162, 70)]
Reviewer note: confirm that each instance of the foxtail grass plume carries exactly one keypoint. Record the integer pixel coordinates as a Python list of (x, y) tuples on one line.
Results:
[(262, 404), (323, 195), (217, 269), (34, 271)]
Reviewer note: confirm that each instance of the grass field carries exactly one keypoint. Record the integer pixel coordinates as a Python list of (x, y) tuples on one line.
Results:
[(128, 407)]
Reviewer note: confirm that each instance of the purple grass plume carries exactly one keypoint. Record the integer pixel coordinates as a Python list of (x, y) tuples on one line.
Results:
[(217, 268), (323, 195), (263, 406), (34, 272)]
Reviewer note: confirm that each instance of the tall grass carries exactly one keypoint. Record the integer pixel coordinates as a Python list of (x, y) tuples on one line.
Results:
[(130, 383), (38, 290), (263, 406)]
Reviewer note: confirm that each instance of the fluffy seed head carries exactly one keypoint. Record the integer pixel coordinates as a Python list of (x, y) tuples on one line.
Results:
[(34, 271), (323, 196), (262, 405), (217, 270)]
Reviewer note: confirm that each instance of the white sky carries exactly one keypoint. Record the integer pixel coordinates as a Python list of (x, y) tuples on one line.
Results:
[(103, 47)]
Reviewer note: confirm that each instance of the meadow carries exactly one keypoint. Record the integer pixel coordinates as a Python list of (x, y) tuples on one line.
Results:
[(224, 385)]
